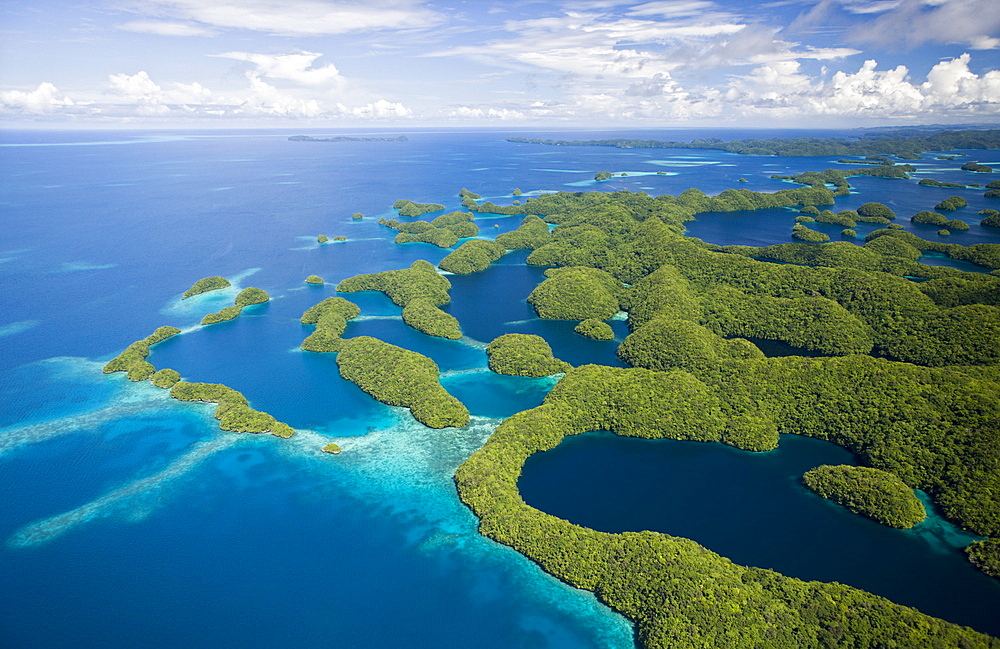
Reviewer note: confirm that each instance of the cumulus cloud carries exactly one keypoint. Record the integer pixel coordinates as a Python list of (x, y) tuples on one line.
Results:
[(467, 112), (293, 67), (291, 17), (378, 109), (44, 99)]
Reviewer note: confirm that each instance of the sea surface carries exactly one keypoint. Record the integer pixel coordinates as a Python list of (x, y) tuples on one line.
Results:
[(129, 519)]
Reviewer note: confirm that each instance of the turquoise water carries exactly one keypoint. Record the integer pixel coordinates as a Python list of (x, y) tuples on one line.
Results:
[(142, 523)]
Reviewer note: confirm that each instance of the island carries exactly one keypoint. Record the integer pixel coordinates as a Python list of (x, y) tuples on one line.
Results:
[(423, 315), (233, 410), (951, 204), (524, 355), (409, 208), (322, 238), (991, 218), (166, 378), (596, 329), (133, 361), (247, 297), (400, 377), (206, 284), (314, 279), (878, 495), (472, 256), (331, 448), (330, 317), (576, 293)]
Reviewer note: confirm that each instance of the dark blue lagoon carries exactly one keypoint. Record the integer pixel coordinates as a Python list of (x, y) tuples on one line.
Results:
[(754, 509), (142, 523)]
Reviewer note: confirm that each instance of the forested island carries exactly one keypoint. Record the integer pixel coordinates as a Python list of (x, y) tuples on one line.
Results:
[(901, 145)]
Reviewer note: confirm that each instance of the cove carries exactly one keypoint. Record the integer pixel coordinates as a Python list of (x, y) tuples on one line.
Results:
[(753, 509)]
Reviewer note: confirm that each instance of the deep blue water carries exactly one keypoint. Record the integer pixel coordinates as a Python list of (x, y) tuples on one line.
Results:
[(143, 523)]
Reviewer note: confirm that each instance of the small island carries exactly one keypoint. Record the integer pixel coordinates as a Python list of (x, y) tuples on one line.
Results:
[(314, 279), (322, 238), (400, 377), (133, 361), (331, 448), (409, 208), (233, 411), (524, 355), (877, 494), (596, 329), (951, 204), (247, 297), (206, 284), (472, 256)]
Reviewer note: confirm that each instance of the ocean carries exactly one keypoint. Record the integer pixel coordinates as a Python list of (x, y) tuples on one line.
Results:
[(128, 518)]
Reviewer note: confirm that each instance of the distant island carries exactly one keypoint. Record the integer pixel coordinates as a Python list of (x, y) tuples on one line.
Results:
[(906, 147), (345, 138)]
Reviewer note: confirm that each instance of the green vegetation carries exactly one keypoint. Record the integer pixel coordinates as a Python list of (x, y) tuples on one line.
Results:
[(166, 378), (993, 193), (444, 231), (133, 361), (533, 233), (903, 144), (523, 355), (420, 280), (206, 284), (929, 218), (331, 448), (984, 254), (876, 210), (400, 377), (357, 216), (951, 204), (973, 166), (846, 218), (810, 210), (576, 293), (930, 182), (246, 297), (330, 317), (879, 495), (603, 175), (339, 238), (806, 219), (991, 220), (985, 555), (423, 316), (594, 328), (517, 192), (678, 593), (943, 232), (233, 412), (472, 256), (848, 232), (955, 224), (322, 238), (802, 233), (409, 208), (314, 279)]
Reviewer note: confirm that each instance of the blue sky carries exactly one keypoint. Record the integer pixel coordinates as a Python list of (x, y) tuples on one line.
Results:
[(247, 63)]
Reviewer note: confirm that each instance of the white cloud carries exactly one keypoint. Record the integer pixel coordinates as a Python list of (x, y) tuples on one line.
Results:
[(466, 112), (296, 17), (292, 67), (973, 23), (136, 87), (44, 99), (379, 109), (166, 28)]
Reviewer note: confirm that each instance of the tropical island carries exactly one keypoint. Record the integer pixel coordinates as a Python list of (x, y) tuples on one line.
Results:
[(879, 495), (247, 297), (903, 145), (206, 284)]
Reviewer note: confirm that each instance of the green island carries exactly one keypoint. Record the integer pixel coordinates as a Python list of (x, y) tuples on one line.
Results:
[(991, 218), (330, 317), (322, 238), (879, 495), (903, 144), (331, 448), (247, 297), (472, 256), (444, 231), (846, 218), (929, 218), (346, 138), (976, 167), (985, 555), (400, 377), (531, 234), (424, 316), (594, 328), (233, 411), (930, 182), (951, 204), (340, 238), (357, 216), (314, 279), (524, 355), (804, 233), (166, 378), (133, 361), (992, 193), (206, 284), (420, 280), (603, 175), (576, 293), (409, 208)]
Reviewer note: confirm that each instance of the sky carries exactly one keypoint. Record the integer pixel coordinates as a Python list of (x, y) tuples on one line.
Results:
[(594, 63)]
